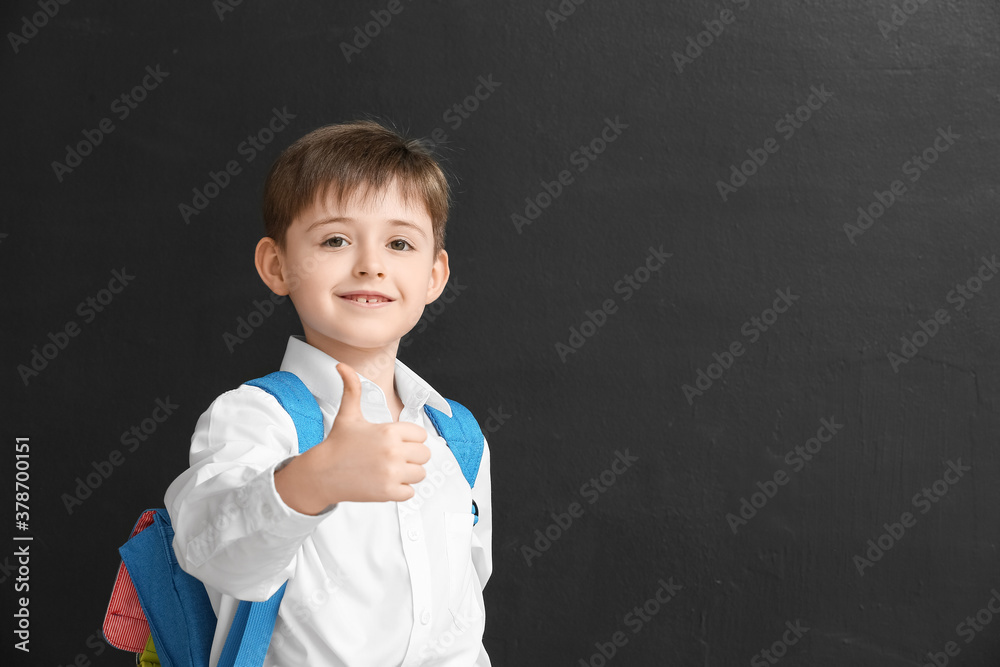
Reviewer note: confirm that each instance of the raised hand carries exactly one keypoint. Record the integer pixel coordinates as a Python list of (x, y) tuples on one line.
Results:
[(357, 461)]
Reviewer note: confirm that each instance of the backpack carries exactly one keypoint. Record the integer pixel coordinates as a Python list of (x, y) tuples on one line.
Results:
[(160, 611)]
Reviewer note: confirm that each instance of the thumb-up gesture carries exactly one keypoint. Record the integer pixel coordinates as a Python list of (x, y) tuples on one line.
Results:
[(357, 461)]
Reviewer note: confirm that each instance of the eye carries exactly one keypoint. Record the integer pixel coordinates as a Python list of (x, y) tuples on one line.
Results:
[(400, 244), (335, 242)]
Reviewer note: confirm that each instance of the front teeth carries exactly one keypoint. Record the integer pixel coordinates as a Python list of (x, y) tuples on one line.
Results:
[(362, 299)]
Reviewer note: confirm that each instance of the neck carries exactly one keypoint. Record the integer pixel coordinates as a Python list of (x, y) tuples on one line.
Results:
[(375, 364)]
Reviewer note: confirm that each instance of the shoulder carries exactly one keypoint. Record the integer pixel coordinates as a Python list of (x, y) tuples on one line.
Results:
[(242, 418), (244, 400)]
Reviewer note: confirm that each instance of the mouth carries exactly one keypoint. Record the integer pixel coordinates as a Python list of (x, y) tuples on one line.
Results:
[(366, 298)]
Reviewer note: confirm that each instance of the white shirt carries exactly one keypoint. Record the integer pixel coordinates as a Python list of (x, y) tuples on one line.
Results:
[(369, 584)]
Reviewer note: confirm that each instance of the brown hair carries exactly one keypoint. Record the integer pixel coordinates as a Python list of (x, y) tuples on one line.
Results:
[(356, 158)]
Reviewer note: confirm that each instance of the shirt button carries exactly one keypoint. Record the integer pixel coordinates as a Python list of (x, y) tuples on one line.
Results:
[(413, 534), (425, 616)]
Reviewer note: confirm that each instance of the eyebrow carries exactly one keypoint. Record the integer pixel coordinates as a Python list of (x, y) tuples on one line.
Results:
[(394, 222)]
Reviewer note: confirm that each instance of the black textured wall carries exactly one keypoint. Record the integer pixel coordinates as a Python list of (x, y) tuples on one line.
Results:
[(724, 293)]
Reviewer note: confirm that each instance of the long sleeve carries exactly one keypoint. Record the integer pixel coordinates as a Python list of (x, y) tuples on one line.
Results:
[(232, 530), (379, 583)]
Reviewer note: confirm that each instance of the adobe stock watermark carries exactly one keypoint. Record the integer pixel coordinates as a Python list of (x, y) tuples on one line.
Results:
[(459, 112), (752, 329), (131, 440), (246, 326), (223, 7), (910, 345), (696, 44), (635, 620), (97, 645), (306, 605), (496, 417), (428, 486), (899, 16), (628, 285), (779, 648), (248, 149), (122, 106), (968, 629), (41, 356), (30, 25), (364, 34), (786, 126), (914, 168), (462, 623), (7, 569), (432, 311), (561, 12), (796, 459), (924, 501), (581, 158), (263, 309), (591, 491)]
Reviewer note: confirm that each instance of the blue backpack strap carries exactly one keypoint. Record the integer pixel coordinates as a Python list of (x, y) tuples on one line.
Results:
[(250, 633), (298, 402), (465, 440)]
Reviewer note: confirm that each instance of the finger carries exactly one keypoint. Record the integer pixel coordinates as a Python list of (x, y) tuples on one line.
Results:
[(417, 453), (402, 493), (412, 473), (409, 432), (350, 403)]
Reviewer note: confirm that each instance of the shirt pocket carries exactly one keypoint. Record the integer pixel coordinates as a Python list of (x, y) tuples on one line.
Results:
[(458, 534)]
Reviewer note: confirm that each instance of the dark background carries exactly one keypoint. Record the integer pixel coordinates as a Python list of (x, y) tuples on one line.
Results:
[(522, 289)]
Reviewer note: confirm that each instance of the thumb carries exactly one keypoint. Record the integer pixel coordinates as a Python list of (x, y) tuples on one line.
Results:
[(350, 403)]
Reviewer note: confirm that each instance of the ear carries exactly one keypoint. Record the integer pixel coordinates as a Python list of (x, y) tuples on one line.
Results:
[(269, 263), (439, 276)]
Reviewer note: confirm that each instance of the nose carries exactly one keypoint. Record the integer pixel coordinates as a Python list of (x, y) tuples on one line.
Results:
[(369, 263)]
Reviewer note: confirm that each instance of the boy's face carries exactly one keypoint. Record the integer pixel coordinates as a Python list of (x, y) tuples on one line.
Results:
[(359, 273)]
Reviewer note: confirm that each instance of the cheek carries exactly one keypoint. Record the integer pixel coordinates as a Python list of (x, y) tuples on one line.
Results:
[(305, 266), (319, 271)]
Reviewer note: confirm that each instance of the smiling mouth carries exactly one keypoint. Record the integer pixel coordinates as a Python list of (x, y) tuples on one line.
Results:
[(366, 298)]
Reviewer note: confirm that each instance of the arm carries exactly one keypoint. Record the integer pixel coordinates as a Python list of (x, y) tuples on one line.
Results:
[(232, 529), (249, 499)]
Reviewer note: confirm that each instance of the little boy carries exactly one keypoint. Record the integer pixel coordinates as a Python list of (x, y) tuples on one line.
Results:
[(371, 528)]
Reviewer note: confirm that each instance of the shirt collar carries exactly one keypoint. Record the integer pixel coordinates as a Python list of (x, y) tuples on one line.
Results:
[(318, 371)]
